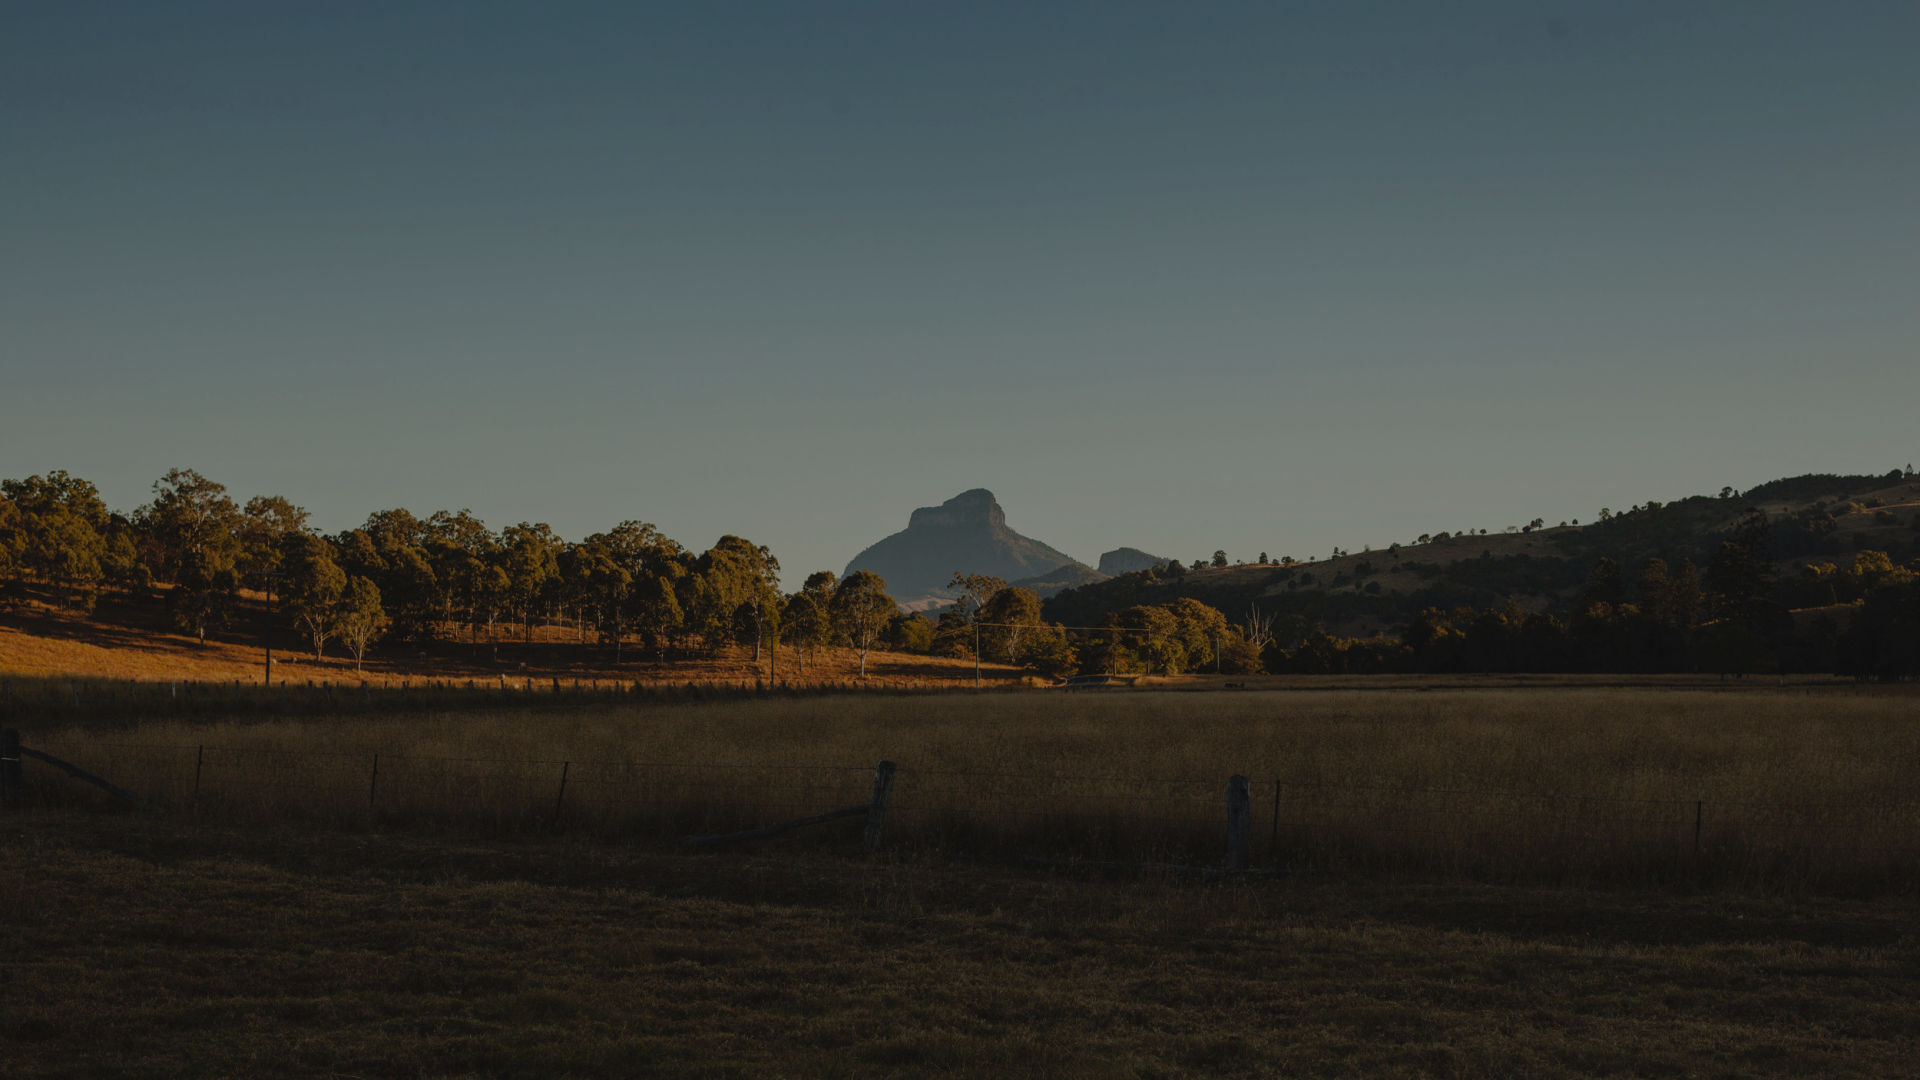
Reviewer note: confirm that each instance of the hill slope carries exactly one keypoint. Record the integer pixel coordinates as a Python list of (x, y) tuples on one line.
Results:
[(1814, 518)]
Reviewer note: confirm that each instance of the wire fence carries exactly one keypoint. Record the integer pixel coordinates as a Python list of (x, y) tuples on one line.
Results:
[(32, 703), (1295, 826)]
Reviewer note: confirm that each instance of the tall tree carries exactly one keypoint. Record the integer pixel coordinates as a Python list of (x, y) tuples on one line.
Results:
[(861, 609), (264, 523), (462, 552), (974, 592), (360, 617), (194, 526), (313, 587), (657, 607), (605, 584), (192, 516), (1011, 616), (756, 594), (1199, 628), (532, 558), (804, 624)]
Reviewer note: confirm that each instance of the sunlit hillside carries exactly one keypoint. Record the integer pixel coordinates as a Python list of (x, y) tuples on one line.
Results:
[(127, 638)]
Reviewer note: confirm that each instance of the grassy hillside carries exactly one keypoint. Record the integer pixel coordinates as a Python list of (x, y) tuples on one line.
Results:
[(128, 637), (1814, 517)]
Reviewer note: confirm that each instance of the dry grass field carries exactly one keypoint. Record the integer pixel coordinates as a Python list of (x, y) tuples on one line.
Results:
[(1802, 789), (1489, 880), (144, 947)]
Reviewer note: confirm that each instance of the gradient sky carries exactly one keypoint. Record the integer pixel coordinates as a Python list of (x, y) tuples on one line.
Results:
[(1178, 276)]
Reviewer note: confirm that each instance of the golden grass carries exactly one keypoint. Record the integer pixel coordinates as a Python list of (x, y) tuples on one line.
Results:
[(124, 641), (1797, 788)]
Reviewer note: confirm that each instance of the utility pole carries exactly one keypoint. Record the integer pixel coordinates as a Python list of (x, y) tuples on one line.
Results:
[(976, 654)]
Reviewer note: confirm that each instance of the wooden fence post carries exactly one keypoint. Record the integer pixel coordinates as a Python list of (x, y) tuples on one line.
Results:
[(877, 809), (199, 762), (10, 769), (1273, 838), (1239, 816), (373, 783), (560, 800)]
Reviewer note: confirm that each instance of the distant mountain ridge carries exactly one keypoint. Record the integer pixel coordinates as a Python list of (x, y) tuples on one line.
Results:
[(966, 534), (1126, 560)]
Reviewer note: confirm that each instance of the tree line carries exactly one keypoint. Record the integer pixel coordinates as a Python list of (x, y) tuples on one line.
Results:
[(403, 578)]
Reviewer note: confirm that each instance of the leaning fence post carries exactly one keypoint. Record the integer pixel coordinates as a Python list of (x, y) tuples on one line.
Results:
[(1239, 815), (1699, 811), (373, 783), (877, 809), (199, 762), (10, 768), (560, 800)]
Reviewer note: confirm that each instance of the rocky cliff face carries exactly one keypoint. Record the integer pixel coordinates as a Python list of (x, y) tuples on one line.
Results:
[(1126, 560), (968, 534)]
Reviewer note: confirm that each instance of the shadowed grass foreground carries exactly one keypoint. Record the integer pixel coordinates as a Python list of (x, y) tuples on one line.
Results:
[(139, 949)]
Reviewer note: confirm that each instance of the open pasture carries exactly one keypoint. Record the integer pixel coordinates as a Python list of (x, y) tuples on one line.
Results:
[(1804, 789), (148, 947)]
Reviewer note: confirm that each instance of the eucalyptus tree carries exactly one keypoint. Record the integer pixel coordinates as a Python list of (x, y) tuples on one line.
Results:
[(264, 523), (313, 587), (194, 527), (360, 617), (531, 557), (975, 591), (804, 624), (1011, 616), (861, 611), (658, 611), (462, 553), (753, 589)]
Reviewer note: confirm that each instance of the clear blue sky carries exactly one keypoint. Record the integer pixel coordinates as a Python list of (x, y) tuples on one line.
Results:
[(1255, 276)]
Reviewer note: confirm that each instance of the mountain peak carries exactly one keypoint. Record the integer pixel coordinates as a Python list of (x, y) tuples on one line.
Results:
[(974, 507), (967, 534), (1125, 560)]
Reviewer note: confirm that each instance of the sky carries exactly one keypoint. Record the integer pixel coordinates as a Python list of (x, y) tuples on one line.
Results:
[(1261, 277)]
